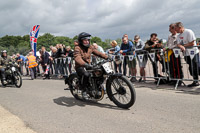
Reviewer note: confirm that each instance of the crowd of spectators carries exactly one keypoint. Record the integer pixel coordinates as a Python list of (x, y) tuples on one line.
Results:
[(59, 60)]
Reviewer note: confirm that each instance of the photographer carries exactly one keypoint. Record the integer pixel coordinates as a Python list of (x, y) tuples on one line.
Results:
[(152, 44)]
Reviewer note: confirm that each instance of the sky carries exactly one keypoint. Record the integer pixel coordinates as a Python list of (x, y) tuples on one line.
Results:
[(107, 19)]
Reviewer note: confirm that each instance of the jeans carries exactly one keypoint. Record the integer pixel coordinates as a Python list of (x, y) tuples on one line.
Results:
[(2, 72), (33, 72)]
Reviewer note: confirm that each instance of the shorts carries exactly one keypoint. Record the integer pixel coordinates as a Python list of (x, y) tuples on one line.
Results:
[(144, 62), (131, 64)]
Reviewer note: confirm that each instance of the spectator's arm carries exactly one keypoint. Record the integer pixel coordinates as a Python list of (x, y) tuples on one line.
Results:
[(190, 44), (100, 54)]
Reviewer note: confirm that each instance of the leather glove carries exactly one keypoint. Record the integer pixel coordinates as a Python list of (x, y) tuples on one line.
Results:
[(88, 66)]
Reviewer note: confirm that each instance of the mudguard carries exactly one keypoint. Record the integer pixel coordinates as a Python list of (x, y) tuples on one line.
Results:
[(113, 76)]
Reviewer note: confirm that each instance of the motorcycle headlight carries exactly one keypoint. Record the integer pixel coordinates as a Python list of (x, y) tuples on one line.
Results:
[(13, 69)]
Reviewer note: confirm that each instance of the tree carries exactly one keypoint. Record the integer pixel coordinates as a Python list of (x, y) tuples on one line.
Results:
[(96, 40), (21, 44), (119, 41), (45, 40)]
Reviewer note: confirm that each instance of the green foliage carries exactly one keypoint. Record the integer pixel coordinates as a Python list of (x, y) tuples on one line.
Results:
[(198, 39), (21, 44)]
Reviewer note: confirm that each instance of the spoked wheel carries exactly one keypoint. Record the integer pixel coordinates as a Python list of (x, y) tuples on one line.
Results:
[(121, 91), (74, 86), (18, 79)]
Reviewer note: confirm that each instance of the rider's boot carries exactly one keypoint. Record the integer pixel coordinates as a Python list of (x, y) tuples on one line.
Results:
[(84, 93)]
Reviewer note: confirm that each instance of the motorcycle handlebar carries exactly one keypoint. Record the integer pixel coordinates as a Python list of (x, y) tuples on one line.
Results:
[(96, 66)]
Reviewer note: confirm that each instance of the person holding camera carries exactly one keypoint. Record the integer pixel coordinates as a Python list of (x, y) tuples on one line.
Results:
[(153, 45)]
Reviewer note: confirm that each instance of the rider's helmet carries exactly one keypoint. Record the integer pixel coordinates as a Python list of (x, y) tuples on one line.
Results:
[(3, 51), (82, 36)]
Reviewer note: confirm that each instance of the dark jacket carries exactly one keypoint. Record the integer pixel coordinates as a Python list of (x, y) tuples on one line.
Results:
[(45, 58), (4, 61), (148, 46), (126, 48), (69, 53), (61, 52)]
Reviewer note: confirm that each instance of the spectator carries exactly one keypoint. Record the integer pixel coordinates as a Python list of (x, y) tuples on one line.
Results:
[(99, 48), (32, 64), (38, 59), (51, 61), (61, 53), (45, 63), (124, 50), (139, 44), (21, 60), (132, 64), (53, 58), (175, 69), (25, 63), (75, 42), (152, 44), (94, 58), (187, 39), (69, 53), (115, 51), (126, 35)]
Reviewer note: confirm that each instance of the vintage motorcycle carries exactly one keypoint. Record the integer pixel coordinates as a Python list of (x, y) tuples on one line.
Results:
[(12, 75), (118, 87)]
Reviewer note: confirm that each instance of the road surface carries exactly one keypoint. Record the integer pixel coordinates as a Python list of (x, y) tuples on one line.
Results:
[(45, 107)]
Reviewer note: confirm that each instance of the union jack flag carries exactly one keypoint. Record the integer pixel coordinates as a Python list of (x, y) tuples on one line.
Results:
[(33, 38)]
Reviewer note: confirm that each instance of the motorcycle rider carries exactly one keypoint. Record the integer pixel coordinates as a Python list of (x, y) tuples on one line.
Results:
[(82, 57), (4, 60)]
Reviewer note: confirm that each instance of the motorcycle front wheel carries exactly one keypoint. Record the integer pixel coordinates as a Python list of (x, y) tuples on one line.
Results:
[(18, 79), (121, 91)]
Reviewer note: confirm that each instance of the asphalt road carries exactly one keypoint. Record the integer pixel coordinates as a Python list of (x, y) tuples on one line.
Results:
[(46, 108)]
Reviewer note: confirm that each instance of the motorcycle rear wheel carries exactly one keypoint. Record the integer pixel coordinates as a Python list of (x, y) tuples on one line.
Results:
[(74, 86)]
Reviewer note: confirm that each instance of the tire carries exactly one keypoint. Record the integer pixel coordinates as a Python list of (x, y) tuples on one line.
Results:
[(114, 84), (18, 79), (74, 86), (3, 84)]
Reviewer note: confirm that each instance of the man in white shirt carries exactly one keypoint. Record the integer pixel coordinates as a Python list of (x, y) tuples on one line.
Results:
[(99, 48), (175, 68), (187, 39)]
